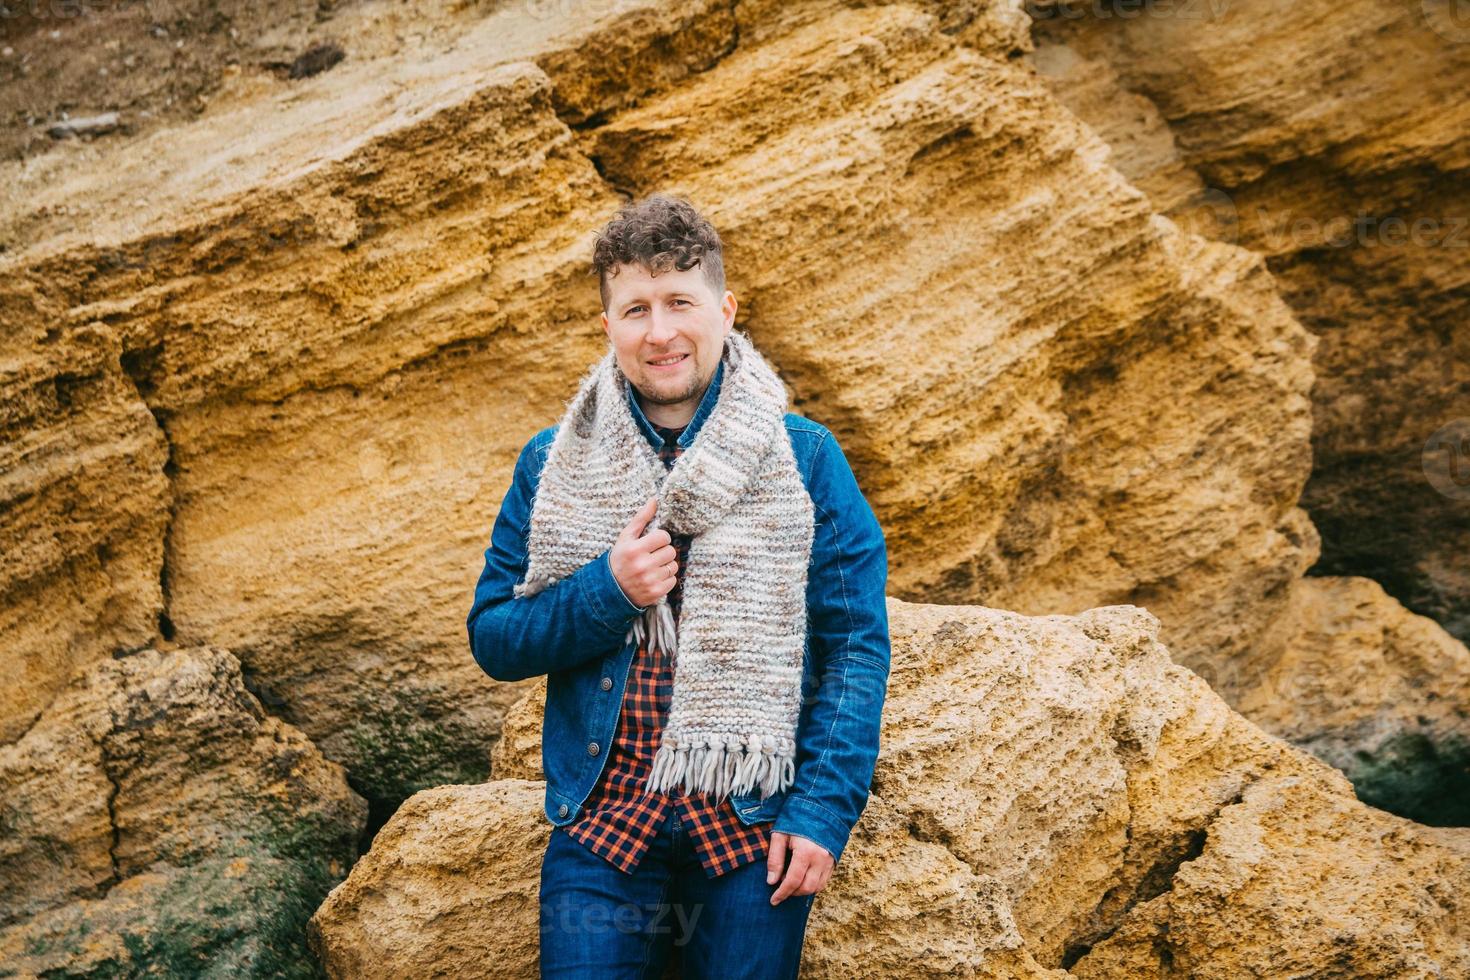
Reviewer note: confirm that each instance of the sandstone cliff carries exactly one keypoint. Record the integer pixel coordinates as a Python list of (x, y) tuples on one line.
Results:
[(1332, 139), (269, 347)]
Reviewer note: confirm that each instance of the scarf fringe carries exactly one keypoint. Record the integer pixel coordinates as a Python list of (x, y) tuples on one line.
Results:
[(656, 628), (721, 770)]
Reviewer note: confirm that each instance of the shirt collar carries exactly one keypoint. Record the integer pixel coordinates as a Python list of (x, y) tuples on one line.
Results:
[(706, 405)]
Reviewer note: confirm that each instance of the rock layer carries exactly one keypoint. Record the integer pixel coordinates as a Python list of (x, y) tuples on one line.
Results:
[(1330, 137), (1084, 404)]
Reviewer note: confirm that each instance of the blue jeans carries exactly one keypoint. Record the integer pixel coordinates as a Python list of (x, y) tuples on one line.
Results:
[(600, 922)]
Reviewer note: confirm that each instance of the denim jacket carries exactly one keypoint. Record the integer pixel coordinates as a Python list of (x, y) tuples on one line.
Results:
[(574, 632)]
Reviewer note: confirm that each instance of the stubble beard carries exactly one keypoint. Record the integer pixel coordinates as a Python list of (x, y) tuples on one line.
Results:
[(696, 384)]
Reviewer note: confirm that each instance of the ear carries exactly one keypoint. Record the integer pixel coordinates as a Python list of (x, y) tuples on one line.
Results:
[(728, 306)]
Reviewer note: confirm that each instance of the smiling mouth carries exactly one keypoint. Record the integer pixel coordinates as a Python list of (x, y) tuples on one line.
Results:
[(674, 363)]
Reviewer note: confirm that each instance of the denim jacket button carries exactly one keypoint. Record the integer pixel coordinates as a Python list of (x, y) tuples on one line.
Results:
[(607, 683), (561, 811), (591, 748)]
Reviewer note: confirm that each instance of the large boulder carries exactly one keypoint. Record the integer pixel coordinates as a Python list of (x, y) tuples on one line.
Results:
[(159, 822), (1054, 795), (1374, 690)]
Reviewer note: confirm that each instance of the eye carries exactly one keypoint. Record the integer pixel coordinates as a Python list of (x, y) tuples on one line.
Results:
[(631, 309), (681, 301)]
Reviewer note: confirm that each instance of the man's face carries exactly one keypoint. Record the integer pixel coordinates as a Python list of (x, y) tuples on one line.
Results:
[(652, 318)]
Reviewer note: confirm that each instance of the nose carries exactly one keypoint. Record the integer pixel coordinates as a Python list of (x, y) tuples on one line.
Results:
[(660, 329)]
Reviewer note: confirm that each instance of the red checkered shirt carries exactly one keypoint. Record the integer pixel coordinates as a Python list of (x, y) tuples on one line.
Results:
[(620, 820)]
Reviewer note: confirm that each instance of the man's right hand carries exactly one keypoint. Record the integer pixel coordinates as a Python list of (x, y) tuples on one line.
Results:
[(646, 566)]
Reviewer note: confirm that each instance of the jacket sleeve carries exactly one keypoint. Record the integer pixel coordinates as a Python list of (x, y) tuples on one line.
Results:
[(837, 738), (582, 616)]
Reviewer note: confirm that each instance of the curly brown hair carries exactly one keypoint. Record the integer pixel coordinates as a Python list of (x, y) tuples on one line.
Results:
[(660, 232)]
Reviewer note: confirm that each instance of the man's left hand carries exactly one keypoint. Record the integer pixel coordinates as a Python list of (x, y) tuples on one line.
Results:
[(811, 866)]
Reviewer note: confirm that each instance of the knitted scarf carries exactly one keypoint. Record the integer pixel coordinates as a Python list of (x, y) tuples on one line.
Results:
[(739, 637)]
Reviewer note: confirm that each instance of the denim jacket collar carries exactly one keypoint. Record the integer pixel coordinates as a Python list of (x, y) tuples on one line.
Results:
[(691, 429)]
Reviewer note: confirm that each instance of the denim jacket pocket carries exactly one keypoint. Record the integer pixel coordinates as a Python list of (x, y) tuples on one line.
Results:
[(751, 809)]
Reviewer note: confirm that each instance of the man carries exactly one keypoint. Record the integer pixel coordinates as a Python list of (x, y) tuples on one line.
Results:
[(700, 578)]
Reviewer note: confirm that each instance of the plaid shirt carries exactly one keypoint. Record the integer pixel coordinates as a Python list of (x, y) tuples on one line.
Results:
[(620, 821)]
